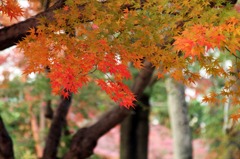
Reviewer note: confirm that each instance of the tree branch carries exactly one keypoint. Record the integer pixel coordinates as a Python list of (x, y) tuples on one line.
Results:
[(10, 35), (58, 123), (85, 140), (6, 144)]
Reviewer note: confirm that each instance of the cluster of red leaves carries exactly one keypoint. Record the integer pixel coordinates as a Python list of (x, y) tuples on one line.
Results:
[(195, 39), (73, 63), (10, 8), (119, 92), (109, 64), (64, 79), (108, 47), (65, 76), (198, 39)]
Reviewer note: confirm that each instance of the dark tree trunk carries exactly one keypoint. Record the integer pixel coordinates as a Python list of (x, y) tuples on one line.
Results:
[(142, 131), (58, 123), (48, 112), (134, 132), (85, 140), (128, 141), (6, 144)]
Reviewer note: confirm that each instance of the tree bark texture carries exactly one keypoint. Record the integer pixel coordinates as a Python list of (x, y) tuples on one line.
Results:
[(58, 123), (232, 144), (178, 112), (6, 144), (134, 132), (10, 35), (85, 140)]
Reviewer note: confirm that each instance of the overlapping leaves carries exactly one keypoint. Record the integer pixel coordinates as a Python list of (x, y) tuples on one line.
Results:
[(107, 36)]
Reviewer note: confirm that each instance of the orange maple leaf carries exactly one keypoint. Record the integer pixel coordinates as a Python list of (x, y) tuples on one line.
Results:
[(11, 8)]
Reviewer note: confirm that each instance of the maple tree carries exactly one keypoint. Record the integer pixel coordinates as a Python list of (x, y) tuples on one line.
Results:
[(84, 38), (103, 36)]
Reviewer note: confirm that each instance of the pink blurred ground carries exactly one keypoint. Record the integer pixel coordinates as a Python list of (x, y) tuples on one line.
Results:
[(160, 144)]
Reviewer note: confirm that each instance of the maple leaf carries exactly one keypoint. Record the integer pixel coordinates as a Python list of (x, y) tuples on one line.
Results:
[(235, 117), (160, 75), (66, 8), (211, 98), (186, 45), (194, 40), (11, 8), (119, 92), (65, 94)]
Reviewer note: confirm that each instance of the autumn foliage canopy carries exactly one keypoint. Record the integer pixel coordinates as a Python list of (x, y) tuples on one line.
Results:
[(89, 39)]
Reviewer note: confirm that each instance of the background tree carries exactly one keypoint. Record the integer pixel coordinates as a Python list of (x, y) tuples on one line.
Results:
[(178, 112)]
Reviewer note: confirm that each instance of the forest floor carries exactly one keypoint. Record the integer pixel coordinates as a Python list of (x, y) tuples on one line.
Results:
[(160, 144)]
